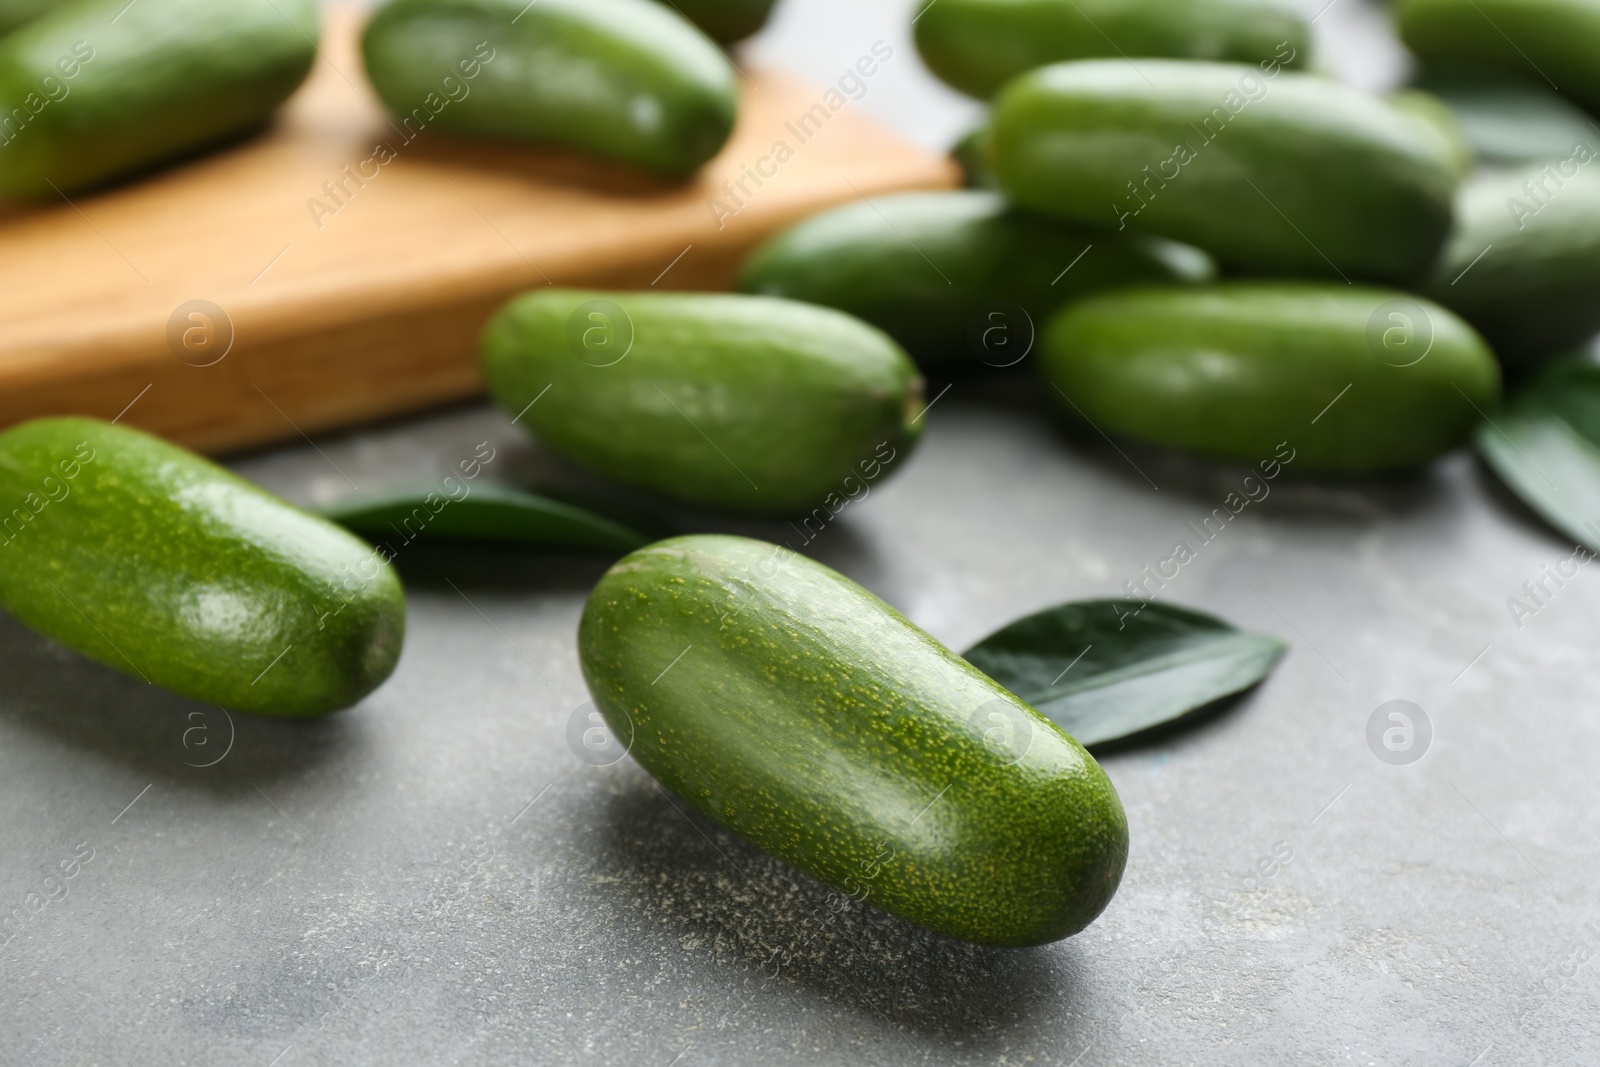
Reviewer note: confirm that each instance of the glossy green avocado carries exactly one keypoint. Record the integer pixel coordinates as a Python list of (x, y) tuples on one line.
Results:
[(806, 715), (1287, 173), (979, 45), (1349, 379), (1523, 263), (168, 568), (98, 89), (1547, 42), (946, 274), (739, 402), (629, 80)]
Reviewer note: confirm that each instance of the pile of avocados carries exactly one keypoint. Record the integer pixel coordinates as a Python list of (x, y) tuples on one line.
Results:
[(1202, 242)]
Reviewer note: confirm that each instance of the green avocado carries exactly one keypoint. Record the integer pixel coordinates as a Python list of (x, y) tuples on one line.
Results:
[(724, 20), (806, 715), (168, 568), (1437, 119), (1550, 42), (971, 154), (14, 13), (629, 80), (1523, 264), (956, 276), (738, 402), (100, 88), (977, 46), (1349, 379), (1269, 172)]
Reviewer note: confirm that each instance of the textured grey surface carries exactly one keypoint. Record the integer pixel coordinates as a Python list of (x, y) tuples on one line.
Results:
[(436, 877)]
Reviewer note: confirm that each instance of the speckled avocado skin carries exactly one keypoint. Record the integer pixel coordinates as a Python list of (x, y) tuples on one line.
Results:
[(167, 567), (803, 713), (743, 403)]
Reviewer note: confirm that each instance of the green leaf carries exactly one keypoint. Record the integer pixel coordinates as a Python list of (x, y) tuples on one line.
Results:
[(1545, 445), (1106, 669), (489, 513), (1508, 120)]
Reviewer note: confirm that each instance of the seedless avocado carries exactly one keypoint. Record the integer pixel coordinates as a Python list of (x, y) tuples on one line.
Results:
[(1269, 172), (806, 715), (1548, 42), (739, 402), (1523, 264), (626, 79), (14, 13), (1436, 119), (100, 88), (170, 569), (1352, 379), (978, 45), (955, 276), (971, 154), (725, 20)]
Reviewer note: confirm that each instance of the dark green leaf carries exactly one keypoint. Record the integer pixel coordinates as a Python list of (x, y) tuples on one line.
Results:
[(1508, 120), (1545, 445), (1105, 669), (489, 513)]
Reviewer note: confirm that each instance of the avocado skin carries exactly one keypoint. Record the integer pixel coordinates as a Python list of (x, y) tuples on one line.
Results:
[(166, 78), (809, 717), (868, 260), (1548, 42), (14, 13), (1536, 291), (725, 20), (168, 568), (629, 80), (977, 46), (738, 402), (1235, 370), (1309, 177)]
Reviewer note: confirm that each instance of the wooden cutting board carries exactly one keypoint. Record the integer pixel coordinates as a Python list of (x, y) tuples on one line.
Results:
[(261, 293)]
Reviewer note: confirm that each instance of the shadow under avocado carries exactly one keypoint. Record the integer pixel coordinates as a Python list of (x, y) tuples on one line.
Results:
[(836, 542), (1207, 481), (438, 564), (1504, 500), (704, 888), (134, 175), (546, 163), (54, 692)]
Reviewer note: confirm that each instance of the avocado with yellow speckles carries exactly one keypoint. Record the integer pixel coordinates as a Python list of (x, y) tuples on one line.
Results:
[(808, 716), (168, 568)]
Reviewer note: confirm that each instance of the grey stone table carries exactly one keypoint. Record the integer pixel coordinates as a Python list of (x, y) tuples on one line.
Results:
[(436, 876)]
